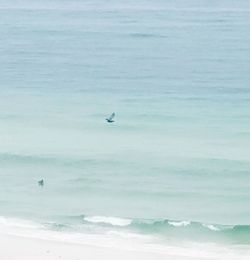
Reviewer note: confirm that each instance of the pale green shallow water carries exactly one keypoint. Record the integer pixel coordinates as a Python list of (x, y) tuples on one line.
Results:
[(177, 75)]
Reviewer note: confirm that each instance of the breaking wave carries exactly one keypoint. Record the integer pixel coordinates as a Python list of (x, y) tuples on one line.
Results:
[(165, 228)]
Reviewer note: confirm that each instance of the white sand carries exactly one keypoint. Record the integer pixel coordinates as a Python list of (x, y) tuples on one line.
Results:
[(19, 248)]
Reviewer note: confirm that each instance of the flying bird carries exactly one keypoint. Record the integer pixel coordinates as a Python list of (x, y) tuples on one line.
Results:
[(110, 119)]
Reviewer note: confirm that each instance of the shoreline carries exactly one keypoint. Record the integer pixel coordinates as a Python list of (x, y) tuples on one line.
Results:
[(25, 240)]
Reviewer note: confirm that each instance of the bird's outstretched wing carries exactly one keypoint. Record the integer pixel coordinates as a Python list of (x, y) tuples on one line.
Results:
[(112, 116)]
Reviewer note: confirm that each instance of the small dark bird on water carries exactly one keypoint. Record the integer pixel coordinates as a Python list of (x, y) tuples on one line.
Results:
[(110, 119), (41, 182)]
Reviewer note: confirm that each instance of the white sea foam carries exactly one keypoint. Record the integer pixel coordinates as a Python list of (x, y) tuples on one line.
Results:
[(211, 227), (109, 220), (18, 223), (121, 240), (179, 223)]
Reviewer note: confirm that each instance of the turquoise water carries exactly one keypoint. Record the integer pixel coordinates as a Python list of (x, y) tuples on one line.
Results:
[(174, 165)]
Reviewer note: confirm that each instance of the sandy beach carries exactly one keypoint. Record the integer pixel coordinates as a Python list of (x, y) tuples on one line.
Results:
[(14, 247)]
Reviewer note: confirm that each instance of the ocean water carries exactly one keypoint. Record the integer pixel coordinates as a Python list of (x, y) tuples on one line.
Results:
[(172, 173)]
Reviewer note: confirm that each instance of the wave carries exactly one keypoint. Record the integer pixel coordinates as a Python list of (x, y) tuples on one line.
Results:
[(18, 223), (183, 238), (164, 229), (173, 229), (179, 224), (147, 35), (196, 231), (109, 220), (120, 233), (44, 160)]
